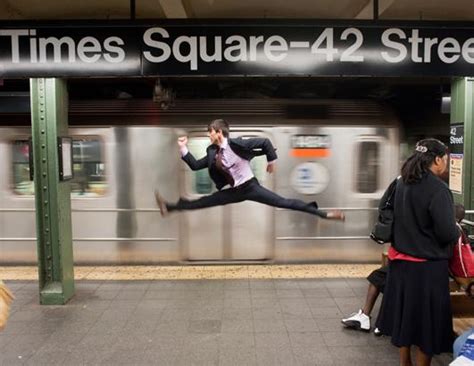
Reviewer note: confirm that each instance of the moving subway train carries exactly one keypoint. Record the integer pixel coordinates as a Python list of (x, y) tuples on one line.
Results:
[(340, 153)]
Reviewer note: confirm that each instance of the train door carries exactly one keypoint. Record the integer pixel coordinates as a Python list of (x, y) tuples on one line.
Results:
[(251, 223), (240, 231)]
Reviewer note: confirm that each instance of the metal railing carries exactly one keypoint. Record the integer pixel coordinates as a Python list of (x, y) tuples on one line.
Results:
[(296, 238), (158, 210), (87, 210), (151, 239)]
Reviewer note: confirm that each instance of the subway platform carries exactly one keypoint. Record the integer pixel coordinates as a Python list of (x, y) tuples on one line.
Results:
[(196, 315)]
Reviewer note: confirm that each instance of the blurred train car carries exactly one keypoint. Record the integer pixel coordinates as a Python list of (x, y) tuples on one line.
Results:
[(341, 153)]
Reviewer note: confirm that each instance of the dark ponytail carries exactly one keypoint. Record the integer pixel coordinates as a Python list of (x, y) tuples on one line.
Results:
[(418, 164)]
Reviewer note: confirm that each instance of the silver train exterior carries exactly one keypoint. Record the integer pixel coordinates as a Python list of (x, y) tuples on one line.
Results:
[(340, 153)]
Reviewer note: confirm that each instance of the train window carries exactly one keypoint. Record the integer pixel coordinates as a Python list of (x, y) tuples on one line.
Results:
[(88, 165), (368, 167), (89, 168), (201, 181), (259, 168), (22, 185), (258, 164)]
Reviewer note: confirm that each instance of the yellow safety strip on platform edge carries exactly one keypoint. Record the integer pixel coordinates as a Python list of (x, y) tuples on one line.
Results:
[(204, 272)]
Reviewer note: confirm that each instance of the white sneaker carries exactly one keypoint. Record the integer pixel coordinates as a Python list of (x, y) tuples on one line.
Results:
[(358, 321)]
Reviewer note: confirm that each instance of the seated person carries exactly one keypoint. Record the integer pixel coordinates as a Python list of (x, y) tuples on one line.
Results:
[(463, 349), (361, 320), (461, 269)]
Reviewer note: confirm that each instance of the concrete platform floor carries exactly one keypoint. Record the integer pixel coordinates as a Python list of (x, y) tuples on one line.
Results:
[(246, 321)]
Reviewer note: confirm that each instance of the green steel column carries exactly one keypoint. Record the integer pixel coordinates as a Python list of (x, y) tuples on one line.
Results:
[(462, 111), (49, 104)]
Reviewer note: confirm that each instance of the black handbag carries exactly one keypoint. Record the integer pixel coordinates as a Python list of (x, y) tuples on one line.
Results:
[(383, 228)]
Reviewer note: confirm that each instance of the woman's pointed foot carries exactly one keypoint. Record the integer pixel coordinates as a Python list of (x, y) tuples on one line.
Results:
[(336, 215)]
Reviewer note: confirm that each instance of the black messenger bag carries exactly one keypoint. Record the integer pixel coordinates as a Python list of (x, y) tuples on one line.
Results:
[(383, 228)]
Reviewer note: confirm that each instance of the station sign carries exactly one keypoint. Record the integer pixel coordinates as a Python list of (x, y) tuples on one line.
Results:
[(310, 146), (236, 48), (456, 157), (456, 138)]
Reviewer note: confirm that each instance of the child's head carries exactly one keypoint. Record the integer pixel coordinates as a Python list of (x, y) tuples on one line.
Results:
[(459, 212)]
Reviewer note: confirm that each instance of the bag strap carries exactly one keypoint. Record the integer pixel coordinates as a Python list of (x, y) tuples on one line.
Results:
[(459, 245), (390, 193)]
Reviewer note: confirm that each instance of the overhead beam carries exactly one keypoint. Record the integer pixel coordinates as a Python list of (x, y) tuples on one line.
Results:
[(132, 9), (9, 11), (368, 11), (174, 9)]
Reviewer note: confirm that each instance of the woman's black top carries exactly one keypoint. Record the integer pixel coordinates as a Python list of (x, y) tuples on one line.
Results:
[(424, 222)]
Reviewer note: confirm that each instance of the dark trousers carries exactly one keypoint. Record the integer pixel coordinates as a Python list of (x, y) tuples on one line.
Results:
[(378, 278), (250, 190)]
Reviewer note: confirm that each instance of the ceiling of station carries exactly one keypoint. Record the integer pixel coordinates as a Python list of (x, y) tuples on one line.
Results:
[(387, 89), (276, 8), (158, 9)]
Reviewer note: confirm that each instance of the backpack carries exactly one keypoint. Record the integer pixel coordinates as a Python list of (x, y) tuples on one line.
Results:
[(461, 263), (382, 231)]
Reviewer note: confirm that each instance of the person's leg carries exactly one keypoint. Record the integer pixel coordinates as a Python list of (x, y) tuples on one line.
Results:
[(361, 320), (218, 198), (263, 195), (377, 279), (405, 356), (421, 358), (372, 294)]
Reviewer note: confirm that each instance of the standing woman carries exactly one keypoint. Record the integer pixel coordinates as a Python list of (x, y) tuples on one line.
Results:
[(416, 308)]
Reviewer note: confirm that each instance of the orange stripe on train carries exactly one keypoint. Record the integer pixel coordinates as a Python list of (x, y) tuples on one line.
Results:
[(310, 153)]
